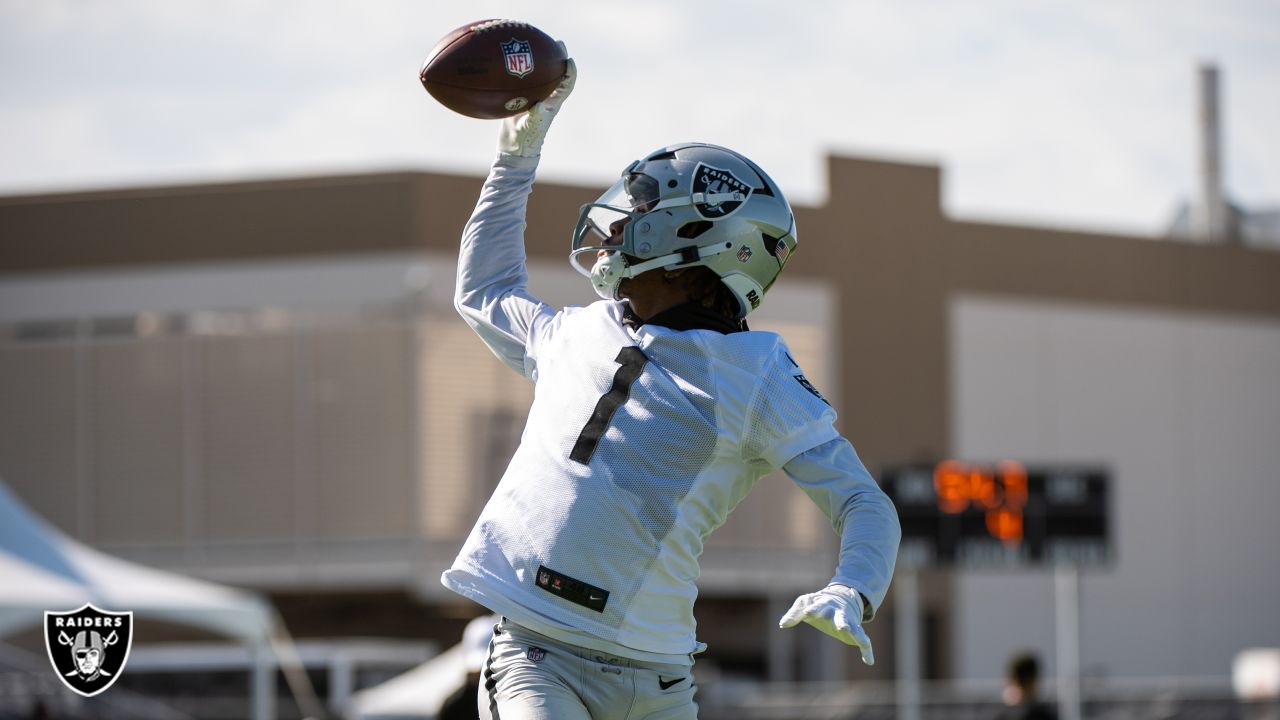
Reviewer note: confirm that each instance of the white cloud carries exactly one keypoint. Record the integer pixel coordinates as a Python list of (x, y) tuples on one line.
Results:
[(1056, 111)]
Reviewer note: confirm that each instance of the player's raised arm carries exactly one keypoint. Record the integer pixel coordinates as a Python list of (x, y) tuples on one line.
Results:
[(491, 293)]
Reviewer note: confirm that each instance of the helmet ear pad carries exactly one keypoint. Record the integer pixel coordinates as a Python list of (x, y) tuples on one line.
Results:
[(759, 251)]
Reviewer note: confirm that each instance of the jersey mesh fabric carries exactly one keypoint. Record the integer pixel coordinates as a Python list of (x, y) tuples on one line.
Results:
[(707, 417), (783, 401)]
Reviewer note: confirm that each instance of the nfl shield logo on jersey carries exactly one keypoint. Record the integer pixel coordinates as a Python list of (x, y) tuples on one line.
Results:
[(88, 647), (519, 57)]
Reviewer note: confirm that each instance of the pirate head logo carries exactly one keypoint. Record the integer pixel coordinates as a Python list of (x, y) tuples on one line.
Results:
[(88, 647), (518, 57), (717, 193)]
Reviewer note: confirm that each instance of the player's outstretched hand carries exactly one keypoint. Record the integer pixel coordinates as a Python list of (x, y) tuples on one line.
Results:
[(835, 610), (523, 134)]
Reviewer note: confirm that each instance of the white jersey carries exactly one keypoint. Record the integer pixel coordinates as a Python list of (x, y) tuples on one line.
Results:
[(639, 443)]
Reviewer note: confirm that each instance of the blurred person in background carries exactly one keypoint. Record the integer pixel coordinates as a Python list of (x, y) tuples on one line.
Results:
[(1021, 691)]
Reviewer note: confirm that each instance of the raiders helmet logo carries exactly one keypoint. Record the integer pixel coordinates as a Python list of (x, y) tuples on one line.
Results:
[(88, 647), (717, 193)]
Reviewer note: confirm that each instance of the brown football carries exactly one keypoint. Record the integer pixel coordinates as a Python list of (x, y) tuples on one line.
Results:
[(493, 68)]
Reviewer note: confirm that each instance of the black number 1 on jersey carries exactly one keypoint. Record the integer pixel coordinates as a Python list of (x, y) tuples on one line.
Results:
[(632, 362)]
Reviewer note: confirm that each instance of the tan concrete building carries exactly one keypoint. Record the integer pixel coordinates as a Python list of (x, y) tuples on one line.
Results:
[(263, 383)]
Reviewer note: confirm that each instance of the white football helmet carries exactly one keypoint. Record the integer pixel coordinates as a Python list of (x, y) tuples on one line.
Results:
[(682, 206)]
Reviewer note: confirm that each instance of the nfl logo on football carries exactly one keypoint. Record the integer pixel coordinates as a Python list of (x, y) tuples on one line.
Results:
[(88, 647), (519, 57)]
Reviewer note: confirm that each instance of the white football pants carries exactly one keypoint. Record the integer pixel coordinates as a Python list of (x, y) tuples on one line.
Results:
[(529, 676)]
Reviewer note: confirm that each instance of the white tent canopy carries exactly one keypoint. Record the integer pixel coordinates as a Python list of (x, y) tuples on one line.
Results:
[(421, 693), (43, 569), (416, 695)]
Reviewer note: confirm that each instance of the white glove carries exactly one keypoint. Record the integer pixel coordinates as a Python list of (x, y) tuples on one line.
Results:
[(835, 610), (523, 134)]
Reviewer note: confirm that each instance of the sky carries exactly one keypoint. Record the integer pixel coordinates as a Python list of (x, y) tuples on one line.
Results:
[(1071, 113)]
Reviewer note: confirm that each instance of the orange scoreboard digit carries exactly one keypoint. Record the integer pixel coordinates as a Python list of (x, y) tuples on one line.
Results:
[(958, 513)]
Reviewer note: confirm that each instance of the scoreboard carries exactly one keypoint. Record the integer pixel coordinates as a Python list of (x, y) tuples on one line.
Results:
[(1000, 514)]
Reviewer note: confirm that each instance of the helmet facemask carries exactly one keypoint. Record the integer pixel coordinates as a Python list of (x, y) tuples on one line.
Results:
[(685, 206)]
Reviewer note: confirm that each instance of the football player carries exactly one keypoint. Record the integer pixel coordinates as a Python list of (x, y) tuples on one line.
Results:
[(655, 411)]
